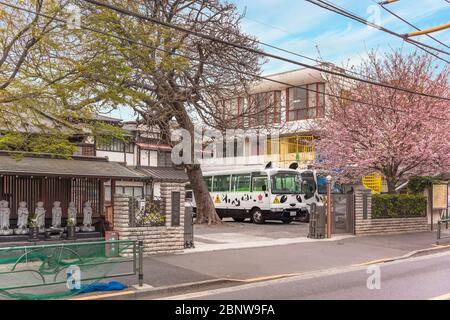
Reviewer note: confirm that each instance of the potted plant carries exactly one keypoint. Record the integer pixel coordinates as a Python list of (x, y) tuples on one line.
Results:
[(71, 228), (34, 229)]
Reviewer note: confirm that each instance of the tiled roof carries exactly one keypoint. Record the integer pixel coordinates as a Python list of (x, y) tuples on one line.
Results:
[(53, 165), (164, 173)]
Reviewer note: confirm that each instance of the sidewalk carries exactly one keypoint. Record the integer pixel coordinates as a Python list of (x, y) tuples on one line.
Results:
[(195, 271), (252, 263)]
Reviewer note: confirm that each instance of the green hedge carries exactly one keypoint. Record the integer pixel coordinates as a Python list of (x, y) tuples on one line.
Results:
[(398, 206)]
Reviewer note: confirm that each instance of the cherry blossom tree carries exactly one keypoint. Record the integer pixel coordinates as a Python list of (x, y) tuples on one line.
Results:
[(381, 130)]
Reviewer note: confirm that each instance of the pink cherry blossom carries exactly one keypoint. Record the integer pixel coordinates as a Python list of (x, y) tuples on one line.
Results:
[(402, 134)]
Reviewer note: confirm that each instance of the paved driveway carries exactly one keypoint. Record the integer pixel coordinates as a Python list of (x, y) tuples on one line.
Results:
[(234, 235), (234, 232)]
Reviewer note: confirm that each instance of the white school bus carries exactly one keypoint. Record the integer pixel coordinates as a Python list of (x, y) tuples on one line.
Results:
[(267, 194)]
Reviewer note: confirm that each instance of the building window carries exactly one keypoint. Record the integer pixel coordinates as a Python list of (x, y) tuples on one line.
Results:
[(85, 150), (306, 102), (264, 108), (137, 192), (255, 110), (231, 110), (165, 159), (116, 145)]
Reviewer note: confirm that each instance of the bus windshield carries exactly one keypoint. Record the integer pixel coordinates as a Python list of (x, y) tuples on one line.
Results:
[(286, 182)]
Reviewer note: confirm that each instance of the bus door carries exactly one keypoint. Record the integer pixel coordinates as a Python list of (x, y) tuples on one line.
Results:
[(260, 194)]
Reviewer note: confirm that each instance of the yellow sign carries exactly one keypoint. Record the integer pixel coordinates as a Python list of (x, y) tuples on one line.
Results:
[(373, 182), (276, 200), (440, 196), (217, 199)]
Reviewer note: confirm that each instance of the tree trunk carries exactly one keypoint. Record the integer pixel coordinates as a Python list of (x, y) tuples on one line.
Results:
[(206, 212), (391, 183)]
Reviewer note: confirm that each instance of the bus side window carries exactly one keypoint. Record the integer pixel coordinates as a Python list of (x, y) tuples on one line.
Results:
[(208, 181), (221, 184), (258, 182), (240, 183)]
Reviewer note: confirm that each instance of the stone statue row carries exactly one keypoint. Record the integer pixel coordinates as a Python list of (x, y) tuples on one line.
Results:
[(39, 217)]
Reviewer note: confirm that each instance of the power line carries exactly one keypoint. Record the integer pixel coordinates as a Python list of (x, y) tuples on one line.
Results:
[(345, 13), (334, 8), (256, 51), (410, 24), (210, 63), (284, 50)]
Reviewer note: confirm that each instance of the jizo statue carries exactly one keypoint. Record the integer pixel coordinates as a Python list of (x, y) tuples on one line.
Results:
[(56, 214), (87, 218), (5, 212), (40, 216), (22, 218)]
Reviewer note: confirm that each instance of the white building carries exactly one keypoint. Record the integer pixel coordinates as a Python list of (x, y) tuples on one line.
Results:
[(288, 113)]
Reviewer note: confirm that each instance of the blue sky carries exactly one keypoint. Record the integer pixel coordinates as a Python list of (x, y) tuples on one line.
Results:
[(302, 27)]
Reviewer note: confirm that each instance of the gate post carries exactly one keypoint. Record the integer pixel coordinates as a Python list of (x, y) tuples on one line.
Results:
[(329, 207), (132, 212), (141, 263)]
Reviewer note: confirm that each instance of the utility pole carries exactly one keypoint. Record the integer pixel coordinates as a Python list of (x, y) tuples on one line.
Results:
[(427, 31), (418, 32)]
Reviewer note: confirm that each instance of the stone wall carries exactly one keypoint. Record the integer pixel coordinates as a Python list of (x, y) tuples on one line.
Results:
[(157, 240), (365, 225)]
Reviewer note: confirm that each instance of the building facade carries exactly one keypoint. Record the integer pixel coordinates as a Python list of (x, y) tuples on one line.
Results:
[(280, 127), (141, 148)]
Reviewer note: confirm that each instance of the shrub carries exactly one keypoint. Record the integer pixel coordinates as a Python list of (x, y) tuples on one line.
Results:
[(398, 206), (418, 184)]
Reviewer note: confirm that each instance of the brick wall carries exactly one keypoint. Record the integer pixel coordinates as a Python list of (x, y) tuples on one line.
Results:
[(157, 240), (365, 225)]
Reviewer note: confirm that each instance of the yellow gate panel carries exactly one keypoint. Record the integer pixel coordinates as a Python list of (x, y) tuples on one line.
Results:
[(373, 182)]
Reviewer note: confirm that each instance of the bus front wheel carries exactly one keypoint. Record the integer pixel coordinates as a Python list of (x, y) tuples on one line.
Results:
[(257, 216)]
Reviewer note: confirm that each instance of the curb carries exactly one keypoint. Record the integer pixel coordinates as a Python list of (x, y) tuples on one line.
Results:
[(405, 256), (184, 288), (160, 291)]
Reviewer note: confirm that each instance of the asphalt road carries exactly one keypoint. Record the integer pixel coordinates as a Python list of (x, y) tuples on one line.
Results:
[(421, 278)]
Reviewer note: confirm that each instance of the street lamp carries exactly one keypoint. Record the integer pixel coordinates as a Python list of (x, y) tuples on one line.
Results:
[(328, 207)]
